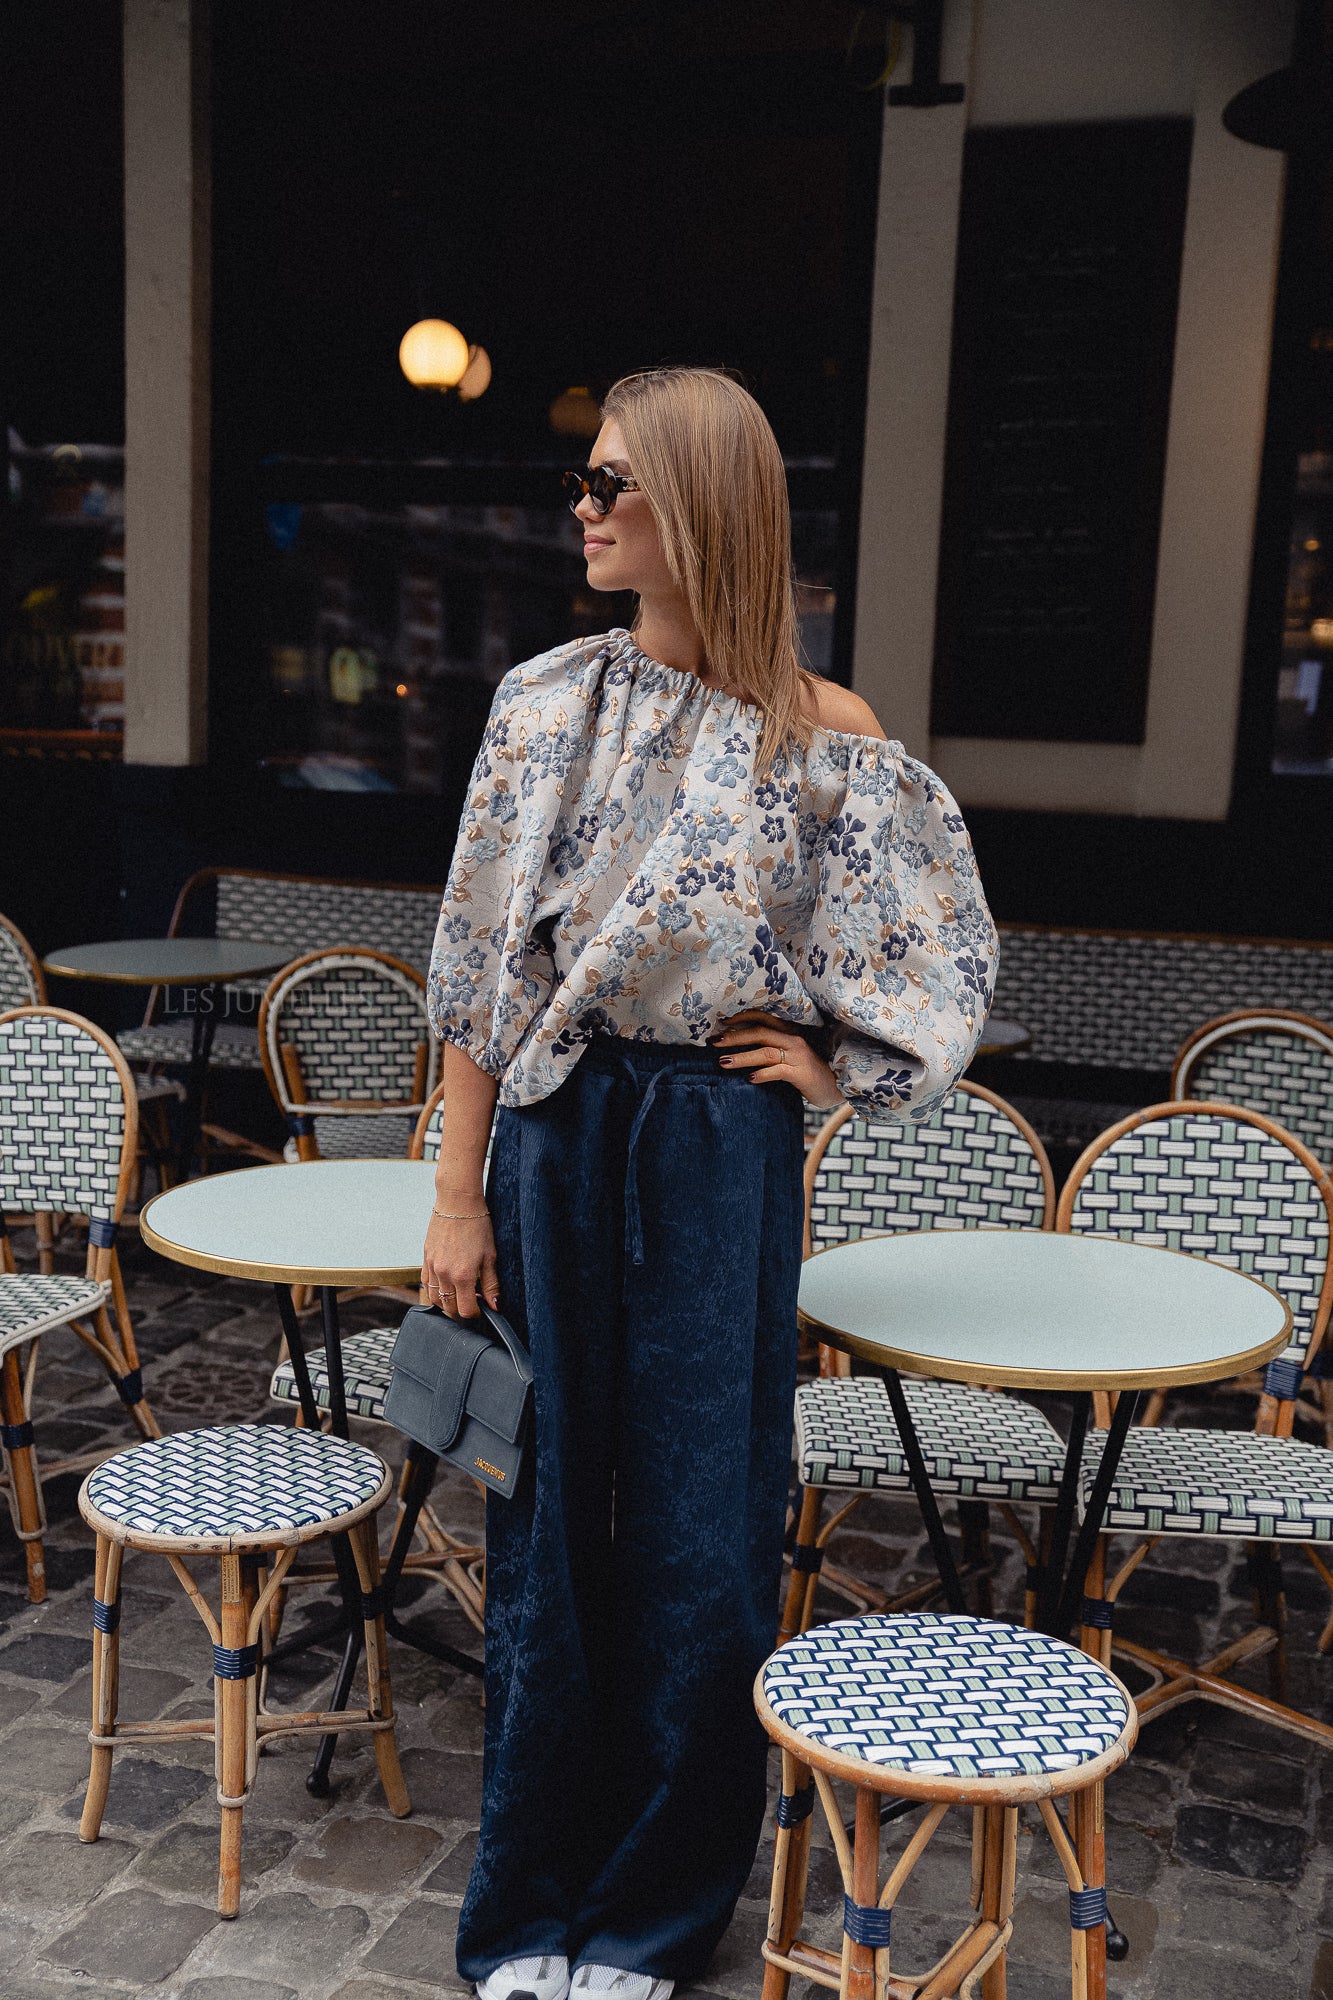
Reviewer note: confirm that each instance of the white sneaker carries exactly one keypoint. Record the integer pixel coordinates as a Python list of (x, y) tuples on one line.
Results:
[(526, 1979), (609, 1979)]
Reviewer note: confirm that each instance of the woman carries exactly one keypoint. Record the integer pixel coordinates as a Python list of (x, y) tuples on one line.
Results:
[(693, 886)]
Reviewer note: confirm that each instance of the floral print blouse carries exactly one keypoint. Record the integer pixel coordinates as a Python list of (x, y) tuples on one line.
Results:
[(621, 869)]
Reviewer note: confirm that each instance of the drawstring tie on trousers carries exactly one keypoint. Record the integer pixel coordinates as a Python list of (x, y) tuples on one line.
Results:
[(633, 1218)]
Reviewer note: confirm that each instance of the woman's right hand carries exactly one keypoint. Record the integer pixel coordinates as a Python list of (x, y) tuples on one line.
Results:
[(459, 1263)]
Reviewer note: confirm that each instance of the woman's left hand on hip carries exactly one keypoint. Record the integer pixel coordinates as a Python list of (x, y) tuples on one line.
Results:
[(775, 1052)]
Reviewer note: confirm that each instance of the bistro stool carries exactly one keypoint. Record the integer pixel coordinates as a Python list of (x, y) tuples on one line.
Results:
[(250, 1494), (952, 1711)]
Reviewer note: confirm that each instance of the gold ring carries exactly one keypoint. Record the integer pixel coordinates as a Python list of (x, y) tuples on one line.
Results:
[(782, 1055)]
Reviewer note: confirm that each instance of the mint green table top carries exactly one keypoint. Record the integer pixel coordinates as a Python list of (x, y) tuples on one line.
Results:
[(1028, 1309), (179, 961), (324, 1222)]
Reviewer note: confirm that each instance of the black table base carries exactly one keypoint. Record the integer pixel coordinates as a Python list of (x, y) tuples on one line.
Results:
[(347, 1623)]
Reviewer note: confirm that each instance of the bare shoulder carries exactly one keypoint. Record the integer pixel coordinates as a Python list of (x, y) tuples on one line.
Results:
[(834, 707)]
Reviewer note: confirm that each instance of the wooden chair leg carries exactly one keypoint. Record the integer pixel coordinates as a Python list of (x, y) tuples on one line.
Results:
[(804, 1566), (791, 1863), (858, 1960), (1000, 1838), (1088, 1814), (234, 1727), (24, 1484), (106, 1681), (46, 1243), (365, 1550), (1095, 1639)]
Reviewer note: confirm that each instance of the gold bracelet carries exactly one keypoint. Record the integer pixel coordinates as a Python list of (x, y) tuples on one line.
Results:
[(447, 1215)]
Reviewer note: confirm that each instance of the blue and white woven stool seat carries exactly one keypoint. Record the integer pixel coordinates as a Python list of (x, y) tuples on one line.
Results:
[(235, 1044), (236, 1486), (376, 1136), (30, 1304), (366, 1372), (1186, 1482), (976, 1444), (918, 1697)]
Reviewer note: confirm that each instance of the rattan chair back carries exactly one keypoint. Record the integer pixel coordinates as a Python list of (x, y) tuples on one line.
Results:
[(1217, 1181), (975, 1164), (347, 1048), (21, 981), (69, 1117), (1272, 1060)]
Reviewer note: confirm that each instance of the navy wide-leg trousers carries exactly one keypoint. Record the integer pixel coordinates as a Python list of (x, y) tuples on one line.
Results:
[(648, 1216)]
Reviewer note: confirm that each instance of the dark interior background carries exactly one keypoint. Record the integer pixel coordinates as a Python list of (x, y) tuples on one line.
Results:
[(583, 190)]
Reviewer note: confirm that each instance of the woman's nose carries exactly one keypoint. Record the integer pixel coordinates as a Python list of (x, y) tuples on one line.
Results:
[(586, 512)]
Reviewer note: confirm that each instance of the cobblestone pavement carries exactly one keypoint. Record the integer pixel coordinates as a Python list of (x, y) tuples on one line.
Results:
[(1217, 1828)]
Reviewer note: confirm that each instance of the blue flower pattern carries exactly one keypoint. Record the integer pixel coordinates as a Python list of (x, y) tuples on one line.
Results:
[(649, 886)]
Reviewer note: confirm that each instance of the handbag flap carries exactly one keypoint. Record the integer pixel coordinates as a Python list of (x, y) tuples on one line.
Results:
[(441, 1357), (498, 1394)]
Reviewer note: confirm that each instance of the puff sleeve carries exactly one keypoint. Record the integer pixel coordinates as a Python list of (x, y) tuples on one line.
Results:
[(900, 954), (491, 969)]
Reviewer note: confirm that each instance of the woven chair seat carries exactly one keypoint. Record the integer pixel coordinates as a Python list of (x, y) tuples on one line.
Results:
[(1231, 1483), (31, 1304), (366, 1372), (235, 1045), (950, 1697), (238, 1484), (357, 1138), (977, 1445)]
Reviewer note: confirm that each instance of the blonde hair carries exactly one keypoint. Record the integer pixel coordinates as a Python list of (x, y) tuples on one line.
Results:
[(706, 459)]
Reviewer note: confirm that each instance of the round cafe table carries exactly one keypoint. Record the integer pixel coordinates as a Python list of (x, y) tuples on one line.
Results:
[(323, 1223), (200, 965), (1003, 1038), (1026, 1309)]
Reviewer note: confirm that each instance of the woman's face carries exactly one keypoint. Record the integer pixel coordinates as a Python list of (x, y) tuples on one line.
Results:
[(621, 548)]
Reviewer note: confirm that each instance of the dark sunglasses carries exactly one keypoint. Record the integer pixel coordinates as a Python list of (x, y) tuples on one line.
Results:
[(602, 486)]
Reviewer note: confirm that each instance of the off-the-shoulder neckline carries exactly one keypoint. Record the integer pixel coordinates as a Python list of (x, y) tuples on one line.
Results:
[(690, 684)]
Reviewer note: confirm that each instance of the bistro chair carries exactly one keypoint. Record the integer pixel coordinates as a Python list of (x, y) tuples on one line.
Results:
[(1280, 1062), (976, 1164), (348, 1052), (313, 913), (23, 984), (366, 1371), (941, 1712), (69, 1119), (1217, 1181), (250, 1495)]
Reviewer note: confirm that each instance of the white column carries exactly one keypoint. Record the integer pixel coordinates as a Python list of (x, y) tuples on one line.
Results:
[(167, 198), (907, 394)]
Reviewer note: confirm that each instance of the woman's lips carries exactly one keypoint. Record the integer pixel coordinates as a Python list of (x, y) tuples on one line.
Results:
[(591, 543)]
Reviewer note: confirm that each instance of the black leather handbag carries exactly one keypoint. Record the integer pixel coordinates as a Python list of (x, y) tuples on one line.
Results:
[(464, 1391)]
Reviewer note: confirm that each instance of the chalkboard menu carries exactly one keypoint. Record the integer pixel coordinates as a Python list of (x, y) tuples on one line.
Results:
[(1064, 324)]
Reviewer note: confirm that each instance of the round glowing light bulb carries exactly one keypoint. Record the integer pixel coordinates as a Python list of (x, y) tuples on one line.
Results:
[(476, 379), (433, 355)]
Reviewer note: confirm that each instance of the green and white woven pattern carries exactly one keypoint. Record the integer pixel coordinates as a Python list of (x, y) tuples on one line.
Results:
[(1279, 1068), (950, 1697), (977, 1445), (1217, 1188), (62, 1119), (967, 1167), (31, 1304), (366, 1373), (237, 1481), (1187, 1482), (1129, 1002)]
